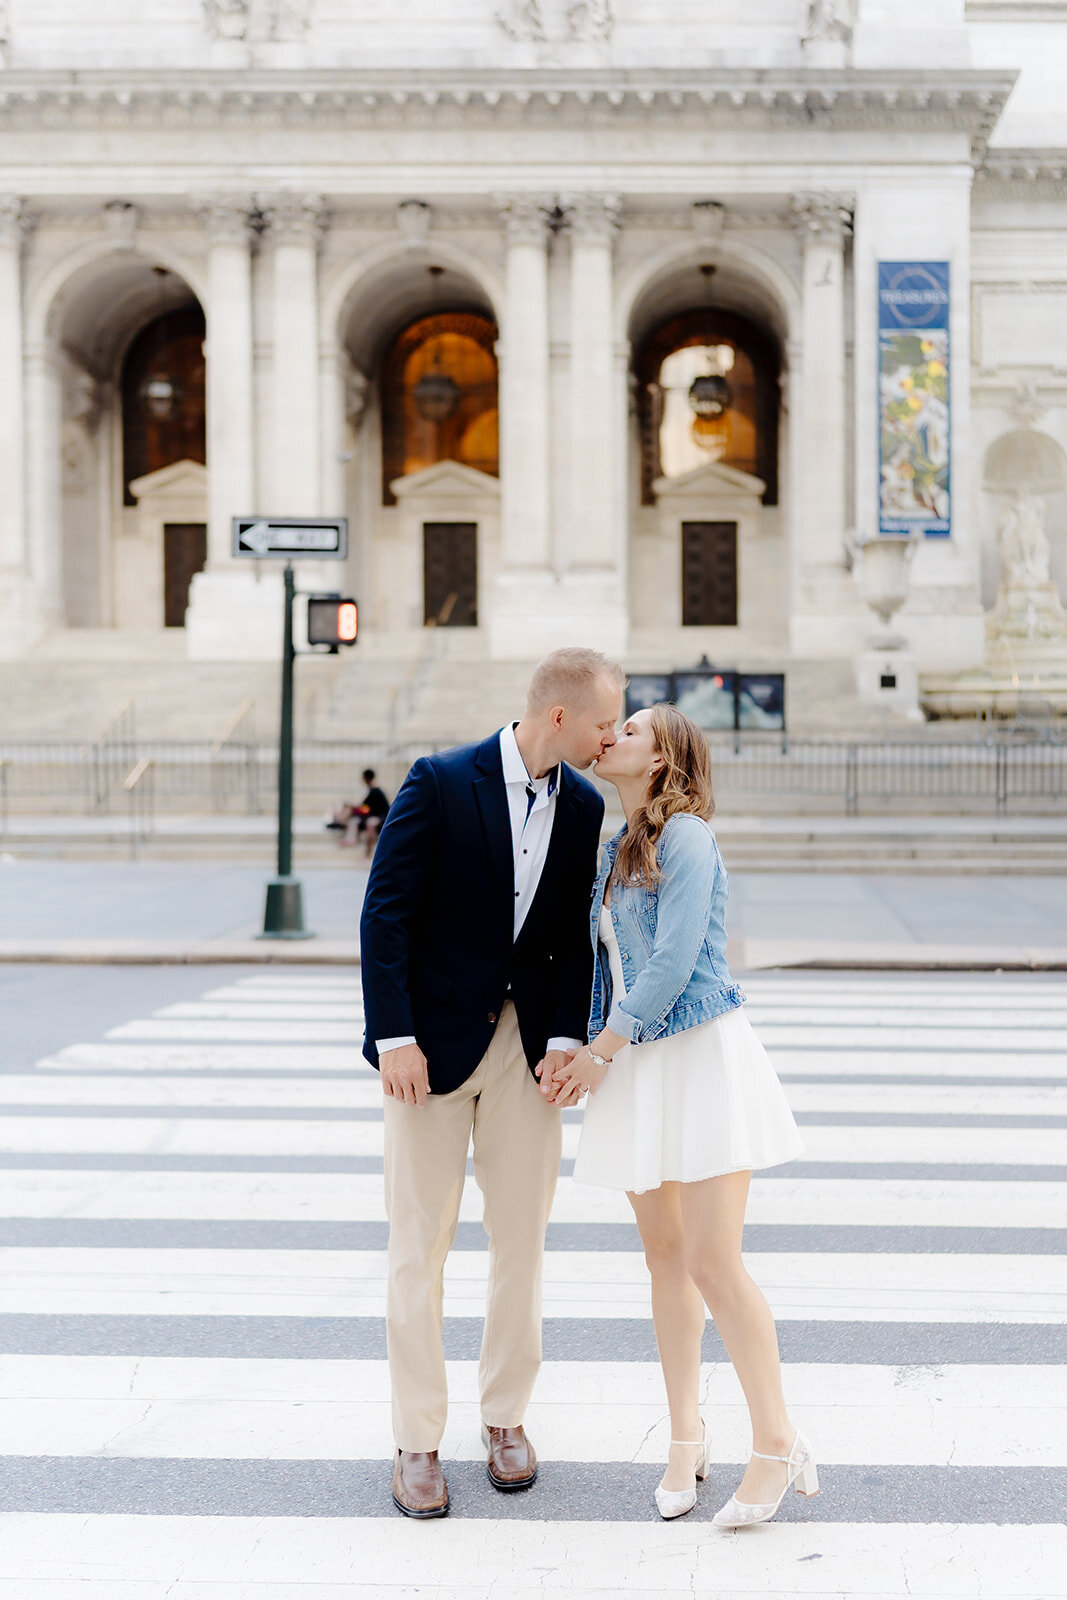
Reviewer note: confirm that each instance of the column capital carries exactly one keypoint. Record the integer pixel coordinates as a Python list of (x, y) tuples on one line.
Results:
[(822, 217), (525, 217), (292, 217), (592, 216), (16, 219), (227, 218)]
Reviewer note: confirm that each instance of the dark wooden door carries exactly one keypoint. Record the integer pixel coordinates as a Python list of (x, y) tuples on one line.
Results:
[(450, 574), (184, 554), (709, 574)]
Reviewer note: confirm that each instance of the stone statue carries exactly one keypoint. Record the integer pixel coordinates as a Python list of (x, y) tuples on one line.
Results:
[(228, 19), (1024, 545), (829, 19), (589, 21), (522, 21)]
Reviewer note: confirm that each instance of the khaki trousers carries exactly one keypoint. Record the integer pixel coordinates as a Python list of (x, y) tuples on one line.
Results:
[(517, 1146)]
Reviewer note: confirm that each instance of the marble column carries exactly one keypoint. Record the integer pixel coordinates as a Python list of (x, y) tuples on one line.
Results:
[(12, 532), (594, 538), (821, 222), (524, 403), (44, 511), (15, 622), (230, 412), (296, 225), (593, 549)]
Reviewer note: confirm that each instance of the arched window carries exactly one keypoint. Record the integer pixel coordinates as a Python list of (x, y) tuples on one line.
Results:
[(163, 396), (708, 391), (439, 397)]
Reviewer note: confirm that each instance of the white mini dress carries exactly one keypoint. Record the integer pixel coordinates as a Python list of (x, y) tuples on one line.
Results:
[(689, 1106)]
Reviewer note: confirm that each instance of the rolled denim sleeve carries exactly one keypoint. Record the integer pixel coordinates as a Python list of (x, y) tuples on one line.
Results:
[(689, 863)]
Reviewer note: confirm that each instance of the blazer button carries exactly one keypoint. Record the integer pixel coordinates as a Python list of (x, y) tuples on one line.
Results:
[(492, 1016)]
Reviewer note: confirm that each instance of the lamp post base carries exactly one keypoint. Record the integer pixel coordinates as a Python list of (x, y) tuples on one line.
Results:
[(283, 917)]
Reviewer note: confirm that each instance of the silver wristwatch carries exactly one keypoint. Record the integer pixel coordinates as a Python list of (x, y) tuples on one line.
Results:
[(601, 1061)]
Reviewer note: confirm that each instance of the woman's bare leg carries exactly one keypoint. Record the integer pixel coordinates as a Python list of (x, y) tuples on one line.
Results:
[(713, 1215), (678, 1315)]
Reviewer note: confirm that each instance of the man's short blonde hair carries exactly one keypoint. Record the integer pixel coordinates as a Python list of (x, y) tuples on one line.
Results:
[(568, 677)]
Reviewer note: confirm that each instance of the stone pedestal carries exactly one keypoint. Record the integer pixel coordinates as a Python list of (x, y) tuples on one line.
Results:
[(889, 679), (235, 614)]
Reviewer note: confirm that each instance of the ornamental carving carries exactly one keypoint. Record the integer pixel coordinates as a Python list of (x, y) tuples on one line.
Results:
[(825, 217), (413, 218), (544, 21), (257, 21)]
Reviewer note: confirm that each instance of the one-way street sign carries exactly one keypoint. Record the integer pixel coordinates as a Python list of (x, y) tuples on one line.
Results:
[(286, 538)]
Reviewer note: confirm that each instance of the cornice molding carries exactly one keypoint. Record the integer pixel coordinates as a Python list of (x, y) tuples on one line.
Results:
[(825, 98), (1007, 174)]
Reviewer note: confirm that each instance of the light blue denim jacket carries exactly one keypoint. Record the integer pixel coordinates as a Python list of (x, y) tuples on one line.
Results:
[(672, 939)]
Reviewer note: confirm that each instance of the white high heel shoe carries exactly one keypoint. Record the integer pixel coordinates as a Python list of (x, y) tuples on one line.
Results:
[(676, 1502), (801, 1473)]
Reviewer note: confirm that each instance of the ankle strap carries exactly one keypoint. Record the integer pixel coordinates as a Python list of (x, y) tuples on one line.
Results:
[(696, 1443), (787, 1459)]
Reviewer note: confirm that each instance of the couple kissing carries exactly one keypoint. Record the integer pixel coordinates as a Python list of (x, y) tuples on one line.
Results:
[(511, 968)]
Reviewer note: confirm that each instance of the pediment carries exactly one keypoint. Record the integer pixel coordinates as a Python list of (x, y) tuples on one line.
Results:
[(446, 480), (711, 481), (182, 480)]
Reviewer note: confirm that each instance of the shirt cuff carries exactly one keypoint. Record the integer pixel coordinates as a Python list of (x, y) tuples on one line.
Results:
[(563, 1044), (382, 1045), (621, 1023)]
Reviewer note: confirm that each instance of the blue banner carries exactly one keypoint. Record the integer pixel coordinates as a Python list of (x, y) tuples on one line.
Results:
[(913, 396)]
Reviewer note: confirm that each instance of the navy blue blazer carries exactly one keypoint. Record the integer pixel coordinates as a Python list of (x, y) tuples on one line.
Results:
[(436, 934)]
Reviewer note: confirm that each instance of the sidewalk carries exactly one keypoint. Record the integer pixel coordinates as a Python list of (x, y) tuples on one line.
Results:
[(201, 912)]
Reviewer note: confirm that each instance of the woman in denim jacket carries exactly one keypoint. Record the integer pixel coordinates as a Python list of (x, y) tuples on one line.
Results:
[(685, 1102)]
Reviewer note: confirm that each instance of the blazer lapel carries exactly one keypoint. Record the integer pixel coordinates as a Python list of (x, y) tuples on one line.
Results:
[(567, 807), (491, 797)]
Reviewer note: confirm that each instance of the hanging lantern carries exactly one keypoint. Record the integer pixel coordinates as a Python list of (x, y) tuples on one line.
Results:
[(436, 396), (161, 398), (709, 396)]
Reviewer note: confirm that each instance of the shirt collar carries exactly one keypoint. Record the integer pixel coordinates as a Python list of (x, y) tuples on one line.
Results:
[(515, 767)]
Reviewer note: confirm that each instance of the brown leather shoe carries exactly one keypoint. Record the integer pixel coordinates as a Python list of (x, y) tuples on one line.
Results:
[(512, 1462), (419, 1487)]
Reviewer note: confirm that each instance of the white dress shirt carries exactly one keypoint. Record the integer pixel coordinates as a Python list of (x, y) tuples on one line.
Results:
[(531, 830)]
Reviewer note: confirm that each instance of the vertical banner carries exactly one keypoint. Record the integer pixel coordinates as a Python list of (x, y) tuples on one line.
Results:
[(913, 398)]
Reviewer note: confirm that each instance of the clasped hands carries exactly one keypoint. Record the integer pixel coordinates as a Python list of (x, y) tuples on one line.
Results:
[(567, 1074), (564, 1075)]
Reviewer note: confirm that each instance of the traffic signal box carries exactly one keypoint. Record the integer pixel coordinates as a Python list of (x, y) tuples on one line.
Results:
[(332, 620)]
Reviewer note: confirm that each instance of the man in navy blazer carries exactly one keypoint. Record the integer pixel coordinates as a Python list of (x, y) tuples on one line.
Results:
[(476, 980)]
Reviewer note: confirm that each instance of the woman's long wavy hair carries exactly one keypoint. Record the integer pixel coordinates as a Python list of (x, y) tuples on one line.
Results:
[(683, 783)]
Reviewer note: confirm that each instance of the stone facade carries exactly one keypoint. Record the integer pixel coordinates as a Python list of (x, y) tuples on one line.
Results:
[(294, 167)]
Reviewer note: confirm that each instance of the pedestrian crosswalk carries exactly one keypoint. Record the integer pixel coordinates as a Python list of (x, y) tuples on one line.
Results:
[(193, 1389)]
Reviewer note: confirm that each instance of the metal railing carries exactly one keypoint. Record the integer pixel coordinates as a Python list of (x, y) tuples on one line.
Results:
[(235, 761), (995, 775), (138, 784), (110, 756)]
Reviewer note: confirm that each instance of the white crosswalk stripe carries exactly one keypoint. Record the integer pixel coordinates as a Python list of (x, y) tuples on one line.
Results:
[(233, 1384)]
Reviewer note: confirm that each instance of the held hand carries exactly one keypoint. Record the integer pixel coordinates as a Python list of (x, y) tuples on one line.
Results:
[(579, 1074), (404, 1075), (552, 1062)]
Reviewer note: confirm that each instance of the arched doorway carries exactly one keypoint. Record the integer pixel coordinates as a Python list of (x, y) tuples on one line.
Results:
[(708, 539), (123, 363), (163, 423), (420, 338)]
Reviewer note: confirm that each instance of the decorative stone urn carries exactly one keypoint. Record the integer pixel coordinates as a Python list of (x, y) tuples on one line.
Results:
[(883, 575)]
